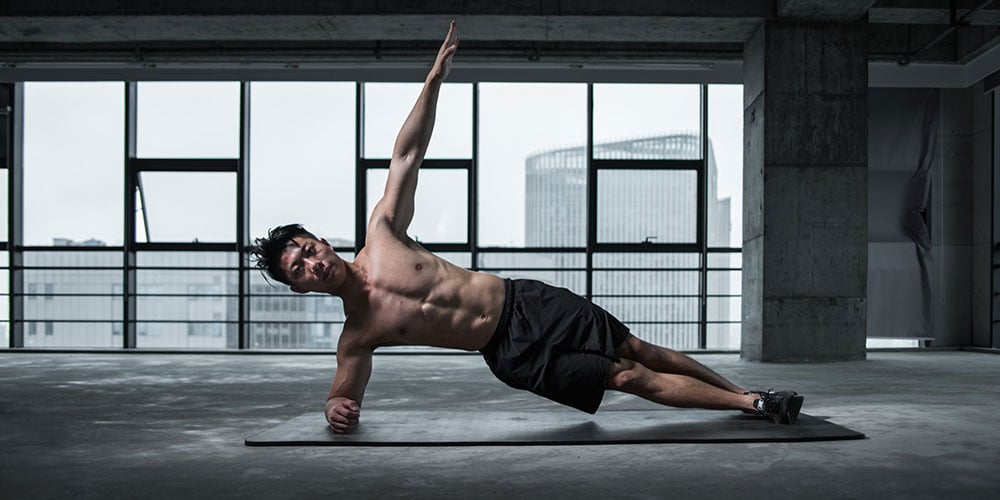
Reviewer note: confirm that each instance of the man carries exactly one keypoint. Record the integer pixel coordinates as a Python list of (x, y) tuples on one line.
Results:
[(533, 336)]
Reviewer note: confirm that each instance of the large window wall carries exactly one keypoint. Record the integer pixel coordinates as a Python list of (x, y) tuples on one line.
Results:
[(128, 203)]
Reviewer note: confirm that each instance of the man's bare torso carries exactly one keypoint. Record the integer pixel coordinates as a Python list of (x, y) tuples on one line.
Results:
[(416, 298)]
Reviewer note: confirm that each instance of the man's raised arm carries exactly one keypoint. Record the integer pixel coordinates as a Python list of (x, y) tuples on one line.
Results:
[(396, 206)]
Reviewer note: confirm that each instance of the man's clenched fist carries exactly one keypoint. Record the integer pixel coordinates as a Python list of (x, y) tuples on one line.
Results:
[(342, 414)]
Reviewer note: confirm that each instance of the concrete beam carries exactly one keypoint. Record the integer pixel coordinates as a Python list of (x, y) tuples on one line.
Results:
[(898, 15), (298, 28), (639, 8), (821, 10)]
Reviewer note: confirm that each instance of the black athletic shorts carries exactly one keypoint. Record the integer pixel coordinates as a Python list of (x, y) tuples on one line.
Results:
[(554, 343)]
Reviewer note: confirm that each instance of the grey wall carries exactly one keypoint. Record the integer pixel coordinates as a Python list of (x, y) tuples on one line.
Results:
[(960, 201), (982, 163)]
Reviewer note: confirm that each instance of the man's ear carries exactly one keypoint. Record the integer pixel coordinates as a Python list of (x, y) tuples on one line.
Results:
[(297, 289), (327, 243)]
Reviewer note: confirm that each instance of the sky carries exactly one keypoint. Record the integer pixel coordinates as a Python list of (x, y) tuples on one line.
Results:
[(303, 147)]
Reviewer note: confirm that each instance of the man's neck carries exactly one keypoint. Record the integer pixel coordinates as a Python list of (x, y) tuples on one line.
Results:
[(354, 289)]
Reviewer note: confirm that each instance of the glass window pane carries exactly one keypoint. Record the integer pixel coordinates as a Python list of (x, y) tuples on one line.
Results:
[(75, 281), (533, 260), (106, 335), (186, 335), (388, 104), (302, 154), (688, 260), (723, 336), (733, 260), (644, 282), (555, 198), (660, 310), (188, 308), (532, 139), (187, 259), (725, 166), (76, 301), (297, 308), (188, 120), (656, 206), (186, 282), (647, 121), (284, 335), (441, 214), (73, 162), (69, 308), (723, 308), (724, 282), (92, 259), (186, 207)]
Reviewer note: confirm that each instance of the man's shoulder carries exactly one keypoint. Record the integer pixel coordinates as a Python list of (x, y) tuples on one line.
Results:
[(355, 335), (381, 233)]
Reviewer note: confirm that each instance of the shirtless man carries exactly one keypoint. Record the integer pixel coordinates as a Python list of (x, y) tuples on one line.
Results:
[(533, 336)]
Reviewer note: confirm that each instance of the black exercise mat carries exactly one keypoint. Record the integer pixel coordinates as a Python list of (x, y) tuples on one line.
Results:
[(566, 427)]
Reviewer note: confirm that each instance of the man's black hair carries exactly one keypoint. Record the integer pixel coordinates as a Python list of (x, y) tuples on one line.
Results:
[(267, 251)]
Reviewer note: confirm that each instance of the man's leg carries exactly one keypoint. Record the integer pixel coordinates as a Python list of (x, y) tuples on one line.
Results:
[(675, 390), (667, 361)]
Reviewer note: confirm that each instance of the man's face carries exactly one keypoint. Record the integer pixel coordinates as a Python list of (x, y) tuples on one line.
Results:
[(311, 265)]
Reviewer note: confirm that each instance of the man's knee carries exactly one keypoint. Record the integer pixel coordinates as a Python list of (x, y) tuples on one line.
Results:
[(626, 375)]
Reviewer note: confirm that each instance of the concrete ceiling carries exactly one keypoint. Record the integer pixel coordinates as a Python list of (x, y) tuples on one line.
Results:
[(491, 30)]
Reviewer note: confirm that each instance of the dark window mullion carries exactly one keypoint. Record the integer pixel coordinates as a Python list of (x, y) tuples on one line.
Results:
[(186, 164), (426, 164), (15, 217), (473, 189), (650, 164), (702, 219), (243, 238), (129, 246), (591, 195), (360, 171)]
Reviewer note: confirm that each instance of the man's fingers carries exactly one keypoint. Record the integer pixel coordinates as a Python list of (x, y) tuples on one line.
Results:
[(450, 38), (341, 428), (346, 412), (345, 419), (341, 424)]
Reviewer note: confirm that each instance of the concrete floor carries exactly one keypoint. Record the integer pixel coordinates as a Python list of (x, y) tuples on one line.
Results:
[(172, 426)]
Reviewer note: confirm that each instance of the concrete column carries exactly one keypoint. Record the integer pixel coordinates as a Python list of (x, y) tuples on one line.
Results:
[(805, 185)]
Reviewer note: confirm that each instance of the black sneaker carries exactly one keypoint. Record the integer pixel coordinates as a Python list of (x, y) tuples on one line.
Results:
[(778, 407)]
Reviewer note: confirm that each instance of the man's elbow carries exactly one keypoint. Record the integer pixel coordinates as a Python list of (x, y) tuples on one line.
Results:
[(408, 155)]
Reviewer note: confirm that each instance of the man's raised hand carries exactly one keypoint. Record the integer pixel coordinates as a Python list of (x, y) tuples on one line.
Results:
[(342, 414), (442, 65)]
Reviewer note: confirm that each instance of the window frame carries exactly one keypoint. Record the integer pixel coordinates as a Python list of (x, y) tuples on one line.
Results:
[(246, 327)]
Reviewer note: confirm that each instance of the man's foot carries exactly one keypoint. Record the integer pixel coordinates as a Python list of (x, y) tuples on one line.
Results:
[(778, 407)]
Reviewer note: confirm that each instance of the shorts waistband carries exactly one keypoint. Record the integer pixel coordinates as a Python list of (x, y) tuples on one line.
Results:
[(504, 325)]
